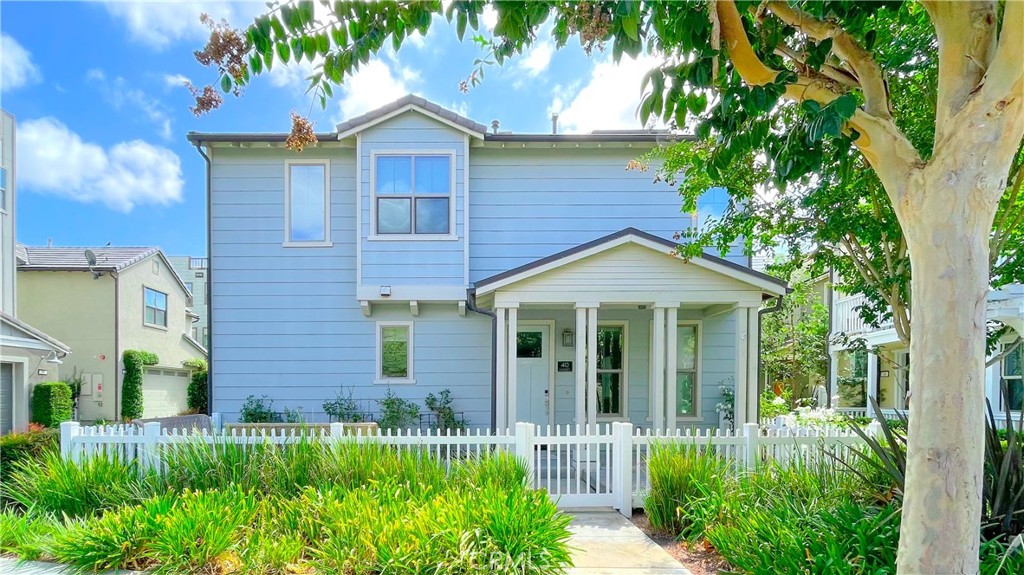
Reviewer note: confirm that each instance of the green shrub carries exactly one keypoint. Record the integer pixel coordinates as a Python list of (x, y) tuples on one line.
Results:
[(51, 403), (198, 396), (683, 477), (26, 536), (258, 410), (343, 408), (60, 486), (441, 406), (397, 413), (135, 362), (26, 446), (772, 405)]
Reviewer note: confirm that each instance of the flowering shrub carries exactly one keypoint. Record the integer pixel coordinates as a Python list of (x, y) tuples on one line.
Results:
[(727, 407)]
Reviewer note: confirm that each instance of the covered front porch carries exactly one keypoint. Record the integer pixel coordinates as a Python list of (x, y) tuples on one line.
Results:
[(622, 329)]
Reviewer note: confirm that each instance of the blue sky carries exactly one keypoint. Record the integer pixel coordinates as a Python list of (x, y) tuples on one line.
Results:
[(97, 90)]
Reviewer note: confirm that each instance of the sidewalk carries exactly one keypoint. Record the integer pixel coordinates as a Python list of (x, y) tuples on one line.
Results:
[(606, 543), (13, 567)]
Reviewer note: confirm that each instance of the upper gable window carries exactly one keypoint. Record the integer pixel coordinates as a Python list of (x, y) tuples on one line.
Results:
[(307, 204), (155, 306), (413, 194)]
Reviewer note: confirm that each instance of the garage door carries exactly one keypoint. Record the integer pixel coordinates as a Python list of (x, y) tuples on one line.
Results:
[(6, 397), (164, 392)]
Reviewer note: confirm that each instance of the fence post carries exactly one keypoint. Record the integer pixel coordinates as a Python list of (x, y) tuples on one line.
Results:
[(623, 466), (151, 447), (68, 430), (524, 446), (337, 431), (216, 421), (751, 434), (874, 429)]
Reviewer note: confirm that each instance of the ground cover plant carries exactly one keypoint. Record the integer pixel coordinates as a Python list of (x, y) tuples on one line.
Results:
[(826, 517), (306, 507)]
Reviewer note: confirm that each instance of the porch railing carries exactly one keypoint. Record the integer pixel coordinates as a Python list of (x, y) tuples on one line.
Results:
[(846, 317), (605, 465)]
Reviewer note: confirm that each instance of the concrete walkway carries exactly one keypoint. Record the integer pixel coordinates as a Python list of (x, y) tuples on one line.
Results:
[(14, 567), (606, 543)]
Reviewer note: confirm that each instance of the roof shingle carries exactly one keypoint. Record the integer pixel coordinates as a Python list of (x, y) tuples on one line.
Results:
[(73, 258)]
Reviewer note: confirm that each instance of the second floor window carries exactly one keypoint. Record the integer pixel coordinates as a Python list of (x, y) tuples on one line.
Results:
[(188, 286), (155, 307), (413, 194), (307, 208), (1013, 379)]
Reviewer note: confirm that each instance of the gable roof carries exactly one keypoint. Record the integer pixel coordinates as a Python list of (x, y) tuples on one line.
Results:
[(110, 259), (72, 259), (52, 342), (764, 281), (404, 104)]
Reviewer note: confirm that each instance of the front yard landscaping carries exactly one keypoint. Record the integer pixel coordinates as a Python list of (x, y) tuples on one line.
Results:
[(305, 507)]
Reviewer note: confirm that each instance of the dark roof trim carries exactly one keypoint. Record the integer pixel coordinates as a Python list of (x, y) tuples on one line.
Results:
[(255, 137), (617, 235), (56, 344)]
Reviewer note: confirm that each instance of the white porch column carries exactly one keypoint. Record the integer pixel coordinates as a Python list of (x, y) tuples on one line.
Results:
[(671, 335), (513, 363), (591, 367), (742, 357), (833, 379), (753, 321), (658, 358), (581, 362), (872, 385), (501, 374)]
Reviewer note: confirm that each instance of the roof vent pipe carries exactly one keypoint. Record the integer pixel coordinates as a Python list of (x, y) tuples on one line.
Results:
[(49, 242), (554, 123), (495, 125)]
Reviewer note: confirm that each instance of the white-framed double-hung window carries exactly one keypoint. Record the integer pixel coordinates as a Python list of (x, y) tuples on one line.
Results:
[(394, 352), (1012, 372), (413, 195)]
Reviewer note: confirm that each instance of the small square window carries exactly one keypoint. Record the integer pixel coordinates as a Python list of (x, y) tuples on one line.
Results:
[(413, 194)]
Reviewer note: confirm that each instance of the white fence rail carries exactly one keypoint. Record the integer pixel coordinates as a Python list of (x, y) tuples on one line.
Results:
[(601, 466)]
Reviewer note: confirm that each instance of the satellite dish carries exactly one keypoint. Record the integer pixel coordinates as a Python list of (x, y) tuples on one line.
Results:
[(90, 257)]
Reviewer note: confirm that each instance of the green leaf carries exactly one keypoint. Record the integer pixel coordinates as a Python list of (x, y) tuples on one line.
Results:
[(323, 43), (340, 36), (630, 25), (845, 106), (283, 52), (296, 45), (225, 83), (697, 103), (810, 106), (309, 47), (256, 63), (460, 25)]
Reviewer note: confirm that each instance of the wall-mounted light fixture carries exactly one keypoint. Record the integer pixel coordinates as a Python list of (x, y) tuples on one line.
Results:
[(52, 358), (567, 338), (385, 291)]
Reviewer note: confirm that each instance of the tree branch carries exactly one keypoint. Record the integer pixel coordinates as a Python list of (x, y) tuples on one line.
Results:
[(967, 42), (1007, 350), (869, 74), (831, 72), (881, 142)]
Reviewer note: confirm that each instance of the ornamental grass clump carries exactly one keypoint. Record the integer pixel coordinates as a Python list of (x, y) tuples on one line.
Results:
[(684, 478), (53, 484)]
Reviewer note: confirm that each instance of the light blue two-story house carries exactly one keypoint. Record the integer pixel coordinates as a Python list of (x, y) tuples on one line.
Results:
[(414, 250)]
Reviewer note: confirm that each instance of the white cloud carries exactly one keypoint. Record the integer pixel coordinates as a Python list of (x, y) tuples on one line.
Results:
[(537, 59), (489, 18), (374, 85), (119, 93), (158, 24), (608, 100), (124, 176), (17, 67), (175, 80)]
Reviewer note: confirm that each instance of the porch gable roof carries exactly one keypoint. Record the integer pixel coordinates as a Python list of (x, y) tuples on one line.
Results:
[(768, 284)]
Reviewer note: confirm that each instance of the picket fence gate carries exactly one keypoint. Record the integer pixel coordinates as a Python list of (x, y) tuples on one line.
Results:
[(597, 466)]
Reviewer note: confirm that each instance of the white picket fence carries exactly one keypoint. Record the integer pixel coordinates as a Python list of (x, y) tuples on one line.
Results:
[(601, 466)]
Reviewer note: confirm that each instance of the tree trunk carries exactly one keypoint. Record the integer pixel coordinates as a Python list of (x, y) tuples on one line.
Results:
[(947, 232)]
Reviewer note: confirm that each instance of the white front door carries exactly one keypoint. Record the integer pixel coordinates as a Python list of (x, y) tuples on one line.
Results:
[(533, 369)]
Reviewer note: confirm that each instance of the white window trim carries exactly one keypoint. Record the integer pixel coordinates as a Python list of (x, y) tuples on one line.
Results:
[(624, 382), (378, 377), (167, 304), (326, 243), (698, 379), (452, 224)]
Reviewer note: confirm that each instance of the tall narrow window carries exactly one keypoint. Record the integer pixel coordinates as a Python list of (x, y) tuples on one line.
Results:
[(155, 313), (413, 194), (686, 371), (611, 345), (1013, 380), (308, 209), (394, 352)]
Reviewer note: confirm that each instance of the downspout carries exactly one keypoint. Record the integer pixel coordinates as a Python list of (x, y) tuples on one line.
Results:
[(209, 281), (117, 346), (829, 294), (471, 305), (760, 364)]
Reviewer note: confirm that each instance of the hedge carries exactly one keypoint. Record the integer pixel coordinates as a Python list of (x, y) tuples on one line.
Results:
[(51, 403), (24, 446), (135, 362), (197, 396)]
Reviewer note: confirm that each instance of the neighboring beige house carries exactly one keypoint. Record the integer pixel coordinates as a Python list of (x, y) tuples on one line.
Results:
[(27, 355), (131, 298), (193, 272)]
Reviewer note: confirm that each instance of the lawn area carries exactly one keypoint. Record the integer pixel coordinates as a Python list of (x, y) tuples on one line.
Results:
[(300, 508)]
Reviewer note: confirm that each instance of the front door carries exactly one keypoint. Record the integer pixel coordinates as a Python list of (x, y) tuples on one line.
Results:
[(533, 374)]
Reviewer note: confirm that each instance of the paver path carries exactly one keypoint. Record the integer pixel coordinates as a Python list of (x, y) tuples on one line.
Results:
[(606, 543)]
